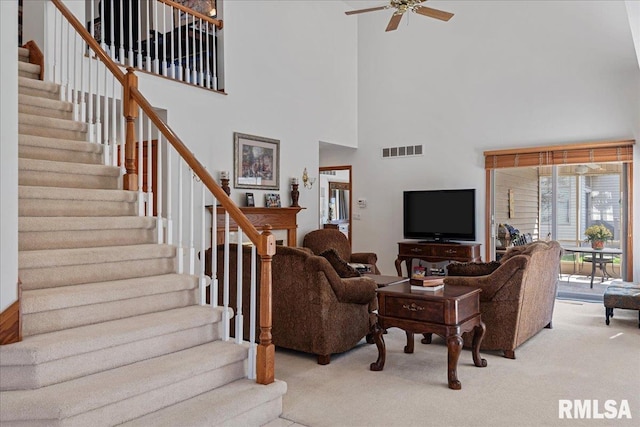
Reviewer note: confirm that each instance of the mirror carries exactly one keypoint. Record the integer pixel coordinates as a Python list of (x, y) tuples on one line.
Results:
[(335, 198)]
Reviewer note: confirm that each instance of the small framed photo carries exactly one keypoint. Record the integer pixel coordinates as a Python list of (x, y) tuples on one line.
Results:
[(272, 200), (256, 162), (250, 201)]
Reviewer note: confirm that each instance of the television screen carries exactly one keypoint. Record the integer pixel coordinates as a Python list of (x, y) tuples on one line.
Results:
[(440, 215)]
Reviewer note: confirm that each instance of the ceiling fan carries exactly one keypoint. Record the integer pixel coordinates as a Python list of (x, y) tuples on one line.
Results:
[(403, 6)]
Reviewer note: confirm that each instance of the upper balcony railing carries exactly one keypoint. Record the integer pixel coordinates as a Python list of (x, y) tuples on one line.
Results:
[(160, 37)]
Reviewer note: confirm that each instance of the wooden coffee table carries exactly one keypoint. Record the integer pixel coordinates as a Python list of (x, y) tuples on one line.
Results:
[(448, 312), (383, 281)]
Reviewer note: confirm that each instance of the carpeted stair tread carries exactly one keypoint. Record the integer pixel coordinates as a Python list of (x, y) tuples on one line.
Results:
[(117, 386), (40, 233), (231, 401), (90, 338), (60, 144), (67, 168), (23, 54), (41, 85), (39, 300), (51, 122), (77, 194), (84, 232), (44, 103), (56, 201), (32, 224), (28, 70), (84, 256), (37, 105)]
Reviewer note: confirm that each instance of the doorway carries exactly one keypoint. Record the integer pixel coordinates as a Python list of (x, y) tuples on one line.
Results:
[(336, 199)]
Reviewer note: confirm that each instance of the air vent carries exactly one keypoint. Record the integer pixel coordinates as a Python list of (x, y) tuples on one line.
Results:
[(405, 151)]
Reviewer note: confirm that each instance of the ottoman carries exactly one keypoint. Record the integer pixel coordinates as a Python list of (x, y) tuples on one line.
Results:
[(625, 295)]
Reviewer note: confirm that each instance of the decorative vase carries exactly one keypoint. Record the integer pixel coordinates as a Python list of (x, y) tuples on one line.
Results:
[(597, 244), (295, 194)]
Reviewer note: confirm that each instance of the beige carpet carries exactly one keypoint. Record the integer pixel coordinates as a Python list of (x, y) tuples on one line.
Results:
[(580, 358)]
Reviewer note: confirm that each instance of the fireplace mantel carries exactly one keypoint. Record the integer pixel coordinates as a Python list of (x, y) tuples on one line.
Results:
[(277, 218)]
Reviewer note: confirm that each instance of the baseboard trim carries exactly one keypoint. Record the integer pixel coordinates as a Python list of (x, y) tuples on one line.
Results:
[(10, 330)]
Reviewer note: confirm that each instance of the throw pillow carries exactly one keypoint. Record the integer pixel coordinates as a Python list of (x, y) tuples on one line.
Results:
[(472, 268), (341, 267)]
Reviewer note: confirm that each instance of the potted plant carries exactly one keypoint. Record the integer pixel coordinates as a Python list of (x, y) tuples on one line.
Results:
[(597, 235)]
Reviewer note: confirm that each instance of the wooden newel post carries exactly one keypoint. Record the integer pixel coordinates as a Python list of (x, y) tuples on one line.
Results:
[(265, 358), (130, 111)]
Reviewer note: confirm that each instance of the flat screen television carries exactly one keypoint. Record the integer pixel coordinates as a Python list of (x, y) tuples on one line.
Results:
[(440, 215)]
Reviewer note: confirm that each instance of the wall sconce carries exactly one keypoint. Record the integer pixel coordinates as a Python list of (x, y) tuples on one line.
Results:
[(307, 180)]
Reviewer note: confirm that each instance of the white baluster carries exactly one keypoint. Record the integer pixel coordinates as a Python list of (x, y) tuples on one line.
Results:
[(173, 41), (76, 54), (82, 95), (203, 280), (149, 170), (156, 63), (114, 121), (140, 143), (208, 84), (180, 220), (130, 31), (192, 250), (193, 52), (252, 316), (149, 39), (225, 284), (214, 55), (239, 312), (121, 52), (55, 43), (103, 45), (159, 198), (202, 32), (139, 41), (164, 41), (179, 61), (98, 124), (213, 290), (187, 45), (169, 197), (112, 47), (65, 65)]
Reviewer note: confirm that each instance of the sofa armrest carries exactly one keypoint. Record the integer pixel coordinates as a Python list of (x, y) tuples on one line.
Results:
[(355, 290), (492, 283), (365, 258), (472, 268)]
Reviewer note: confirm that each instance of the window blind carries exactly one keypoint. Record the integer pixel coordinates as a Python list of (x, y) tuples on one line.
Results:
[(593, 152)]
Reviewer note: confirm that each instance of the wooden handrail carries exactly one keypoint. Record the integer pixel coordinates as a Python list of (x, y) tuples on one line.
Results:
[(217, 22)]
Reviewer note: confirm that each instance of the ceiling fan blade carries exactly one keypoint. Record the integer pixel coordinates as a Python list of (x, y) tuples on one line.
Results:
[(433, 13), (394, 21), (371, 9)]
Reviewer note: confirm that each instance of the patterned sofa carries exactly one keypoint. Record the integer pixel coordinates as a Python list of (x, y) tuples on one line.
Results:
[(314, 310), (518, 293)]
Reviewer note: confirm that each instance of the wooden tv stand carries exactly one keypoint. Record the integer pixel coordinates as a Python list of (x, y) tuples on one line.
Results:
[(435, 252)]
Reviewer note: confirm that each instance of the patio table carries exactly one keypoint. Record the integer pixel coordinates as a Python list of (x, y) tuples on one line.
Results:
[(597, 255)]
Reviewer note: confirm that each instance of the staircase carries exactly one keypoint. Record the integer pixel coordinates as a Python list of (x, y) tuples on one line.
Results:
[(111, 334)]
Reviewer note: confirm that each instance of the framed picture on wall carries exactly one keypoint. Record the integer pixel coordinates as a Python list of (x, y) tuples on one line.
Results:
[(272, 200), (256, 162)]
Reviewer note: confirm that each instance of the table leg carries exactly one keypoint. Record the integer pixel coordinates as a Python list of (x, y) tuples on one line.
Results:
[(478, 335), (377, 331), (593, 268), (426, 338), (410, 343), (454, 347), (398, 264)]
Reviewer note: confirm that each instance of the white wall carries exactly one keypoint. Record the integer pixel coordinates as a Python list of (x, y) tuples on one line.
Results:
[(287, 78), (8, 154), (497, 75)]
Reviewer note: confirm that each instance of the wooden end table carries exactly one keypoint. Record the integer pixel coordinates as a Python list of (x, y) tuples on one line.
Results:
[(448, 312)]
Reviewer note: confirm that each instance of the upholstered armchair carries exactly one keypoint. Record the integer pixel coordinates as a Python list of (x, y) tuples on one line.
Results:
[(322, 240), (314, 310), (518, 293)]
